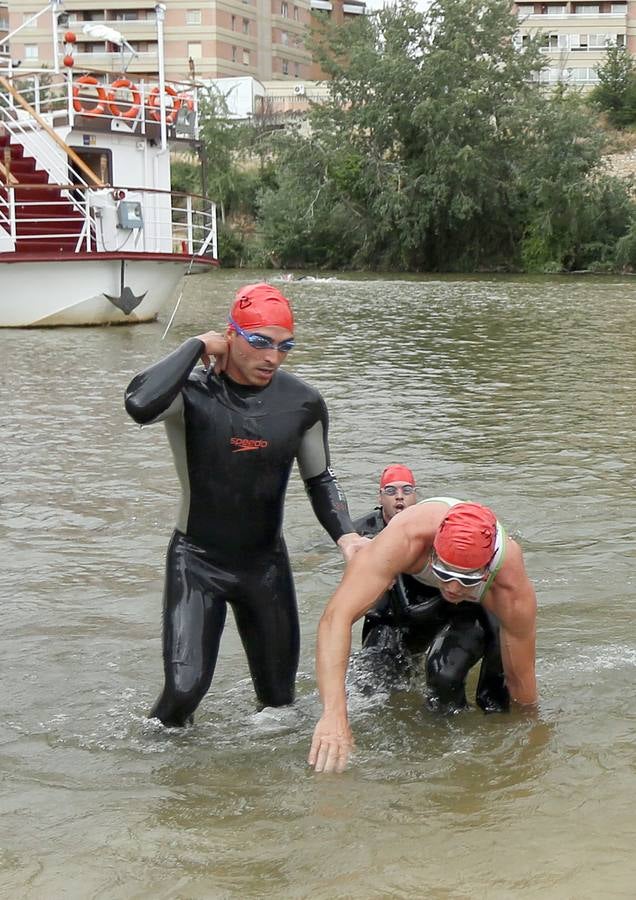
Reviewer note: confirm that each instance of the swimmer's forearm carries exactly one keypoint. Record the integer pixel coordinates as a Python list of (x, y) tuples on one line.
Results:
[(523, 693), (329, 504), (518, 657), (332, 658), (152, 391)]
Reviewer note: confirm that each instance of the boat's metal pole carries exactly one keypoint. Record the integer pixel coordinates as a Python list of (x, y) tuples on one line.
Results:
[(56, 9), (160, 13)]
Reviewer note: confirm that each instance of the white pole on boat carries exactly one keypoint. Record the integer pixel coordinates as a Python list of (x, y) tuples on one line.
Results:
[(160, 13), (56, 9)]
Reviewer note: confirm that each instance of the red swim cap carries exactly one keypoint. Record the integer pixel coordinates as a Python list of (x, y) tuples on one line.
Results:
[(261, 305), (396, 473), (466, 537)]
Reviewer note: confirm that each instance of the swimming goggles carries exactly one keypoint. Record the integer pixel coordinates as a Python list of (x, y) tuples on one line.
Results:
[(261, 341), (467, 579), (391, 490)]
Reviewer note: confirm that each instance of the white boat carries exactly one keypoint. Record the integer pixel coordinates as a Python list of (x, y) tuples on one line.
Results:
[(90, 231)]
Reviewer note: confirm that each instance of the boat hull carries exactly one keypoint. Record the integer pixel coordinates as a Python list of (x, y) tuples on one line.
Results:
[(90, 289)]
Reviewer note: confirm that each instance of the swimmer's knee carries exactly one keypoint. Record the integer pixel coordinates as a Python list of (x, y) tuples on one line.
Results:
[(446, 693), (493, 697), (384, 638), (445, 706)]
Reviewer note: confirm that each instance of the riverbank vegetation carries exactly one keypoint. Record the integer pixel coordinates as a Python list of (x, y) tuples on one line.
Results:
[(438, 151), (615, 93)]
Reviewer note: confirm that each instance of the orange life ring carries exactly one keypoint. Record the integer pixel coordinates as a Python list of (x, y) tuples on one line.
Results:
[(101, 98), (153, 100), (187, 101), (133, 104)]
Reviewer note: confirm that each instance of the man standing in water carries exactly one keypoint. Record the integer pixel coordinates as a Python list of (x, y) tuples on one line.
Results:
[(235, 430), (412, 618), (463, 551)]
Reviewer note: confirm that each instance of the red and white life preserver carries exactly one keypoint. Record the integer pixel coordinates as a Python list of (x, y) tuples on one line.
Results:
[(133, 104), (154, 104), (101, 98)]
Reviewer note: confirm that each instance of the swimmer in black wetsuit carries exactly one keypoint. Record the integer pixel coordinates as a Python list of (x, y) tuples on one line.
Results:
[(235, 431), (413, 618)]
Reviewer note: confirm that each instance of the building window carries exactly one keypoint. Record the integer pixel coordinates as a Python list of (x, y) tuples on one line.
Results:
[(193, 16), (555, 41), (600, 41), (246, 26), (195, 51), (284, 38), (285, 67), (296, 70), (31, 51), (142, 46), (233, 23), (284, 10), (619, 8), (296, 14), (525, 9), (233, 54), (556, 10), (246, 57), (93, 47)]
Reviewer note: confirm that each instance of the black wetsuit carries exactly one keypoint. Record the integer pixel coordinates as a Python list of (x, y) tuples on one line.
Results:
[(412, 618), (234, 447)]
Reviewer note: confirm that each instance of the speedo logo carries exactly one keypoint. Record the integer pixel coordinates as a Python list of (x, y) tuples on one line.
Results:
[(240, 444)]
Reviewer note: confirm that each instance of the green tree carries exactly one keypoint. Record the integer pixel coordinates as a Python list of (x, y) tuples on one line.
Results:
[(615, 93), (438, 150)]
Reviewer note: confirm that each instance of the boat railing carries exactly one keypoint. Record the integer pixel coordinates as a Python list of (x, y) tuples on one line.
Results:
[(110, 219), (7, 216), (115, 102)]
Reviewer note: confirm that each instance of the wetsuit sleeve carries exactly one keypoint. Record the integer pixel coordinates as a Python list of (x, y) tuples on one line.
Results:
[(150, 395), (327, 499)]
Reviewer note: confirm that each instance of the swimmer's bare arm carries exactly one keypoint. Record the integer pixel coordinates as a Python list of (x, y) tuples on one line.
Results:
[(366, 578), (513, 601)]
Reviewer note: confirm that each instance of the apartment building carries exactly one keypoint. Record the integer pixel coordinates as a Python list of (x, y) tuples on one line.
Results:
[(214, 39), (267, 39), (327, 11), (576, 35), (218, 38)]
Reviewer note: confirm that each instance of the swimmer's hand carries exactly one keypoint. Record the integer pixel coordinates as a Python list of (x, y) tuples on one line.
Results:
[(332, 744), (350, 544), (216, 346)]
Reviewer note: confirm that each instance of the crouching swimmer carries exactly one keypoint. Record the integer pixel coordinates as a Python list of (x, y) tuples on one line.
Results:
[(460, 549), (412, 618), (235, 430)]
